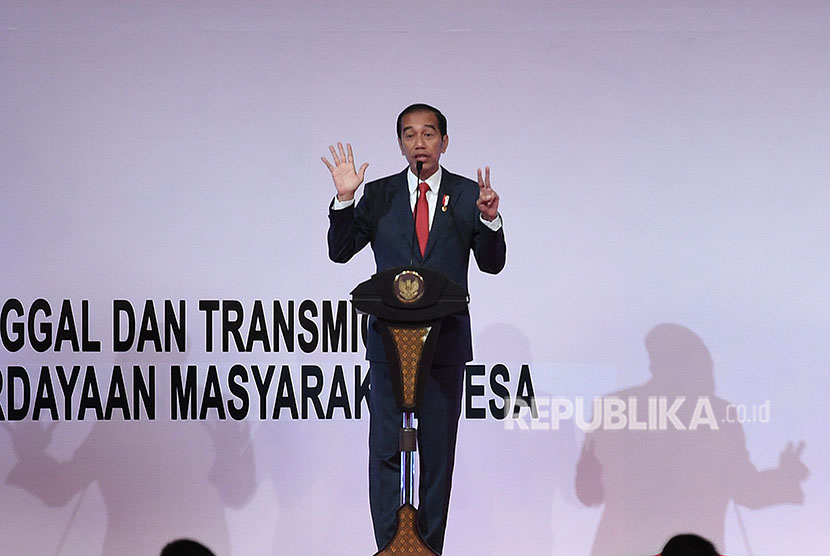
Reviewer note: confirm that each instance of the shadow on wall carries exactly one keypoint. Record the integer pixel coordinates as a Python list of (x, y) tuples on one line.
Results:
[(678, 468), (318, 486), (159, 479), (513, 491)]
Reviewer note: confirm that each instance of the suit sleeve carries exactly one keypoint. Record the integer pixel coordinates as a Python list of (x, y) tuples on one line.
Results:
[(349, 230), (489, 248)]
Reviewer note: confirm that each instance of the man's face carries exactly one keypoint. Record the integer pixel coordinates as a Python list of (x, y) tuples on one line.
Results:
[(421, 141)]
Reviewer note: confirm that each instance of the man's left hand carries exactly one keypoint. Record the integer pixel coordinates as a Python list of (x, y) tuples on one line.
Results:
[(488, 200)]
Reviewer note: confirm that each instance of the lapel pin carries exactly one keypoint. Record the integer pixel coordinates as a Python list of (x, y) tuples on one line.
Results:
[(444, 203)]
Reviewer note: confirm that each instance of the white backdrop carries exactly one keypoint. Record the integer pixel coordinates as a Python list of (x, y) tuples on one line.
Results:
[(656, 162)]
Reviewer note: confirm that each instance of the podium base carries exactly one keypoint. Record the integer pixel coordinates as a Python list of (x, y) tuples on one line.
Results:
[(407, 539)]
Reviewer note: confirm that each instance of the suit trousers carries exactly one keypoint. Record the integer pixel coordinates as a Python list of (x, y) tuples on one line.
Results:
[(438, 414)]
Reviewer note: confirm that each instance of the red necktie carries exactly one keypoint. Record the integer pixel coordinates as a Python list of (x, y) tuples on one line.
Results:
[(422, 223)]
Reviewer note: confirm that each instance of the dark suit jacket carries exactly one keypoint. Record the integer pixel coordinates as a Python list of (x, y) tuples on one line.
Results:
[(383, 217)]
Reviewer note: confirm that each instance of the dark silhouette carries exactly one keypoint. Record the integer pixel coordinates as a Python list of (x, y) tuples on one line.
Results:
[(688, 545), (657, 482), (186, 547)]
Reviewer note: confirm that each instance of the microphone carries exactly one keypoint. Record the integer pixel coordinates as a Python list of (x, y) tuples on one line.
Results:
[(419, 165)]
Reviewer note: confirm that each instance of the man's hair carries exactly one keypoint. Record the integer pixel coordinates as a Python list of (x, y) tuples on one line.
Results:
[(442, 120), (688, 545), (186, 547)]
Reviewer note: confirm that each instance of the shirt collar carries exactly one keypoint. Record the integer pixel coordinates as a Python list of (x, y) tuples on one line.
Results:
[(434, 181)]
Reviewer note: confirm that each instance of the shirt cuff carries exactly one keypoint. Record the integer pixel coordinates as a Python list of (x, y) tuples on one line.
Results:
[(494, 224), (340, 205)]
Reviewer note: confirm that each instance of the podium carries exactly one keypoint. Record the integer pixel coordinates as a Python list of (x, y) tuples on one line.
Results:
[(409, 304)]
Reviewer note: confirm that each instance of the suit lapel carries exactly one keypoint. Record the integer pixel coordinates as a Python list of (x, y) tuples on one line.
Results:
[(401, 207), (440, 220)]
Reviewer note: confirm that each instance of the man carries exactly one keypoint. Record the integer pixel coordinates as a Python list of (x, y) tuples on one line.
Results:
[(454, 217)]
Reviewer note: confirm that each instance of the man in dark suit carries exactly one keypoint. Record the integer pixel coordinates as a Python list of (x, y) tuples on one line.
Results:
[(455, 217)]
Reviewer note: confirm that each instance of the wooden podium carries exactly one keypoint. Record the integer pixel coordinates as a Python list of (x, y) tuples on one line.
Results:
[(409, 304)]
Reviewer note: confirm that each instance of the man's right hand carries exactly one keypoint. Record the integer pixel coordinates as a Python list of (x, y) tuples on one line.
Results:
[(346, 179)]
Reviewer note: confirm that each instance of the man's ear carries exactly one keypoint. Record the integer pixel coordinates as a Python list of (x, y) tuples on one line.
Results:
[(445, 140), (400, 144)]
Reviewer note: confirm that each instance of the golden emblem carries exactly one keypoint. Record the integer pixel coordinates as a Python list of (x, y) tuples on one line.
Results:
[(409, 286)]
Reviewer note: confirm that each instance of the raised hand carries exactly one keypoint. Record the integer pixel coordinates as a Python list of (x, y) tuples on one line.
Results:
[(790, 461), (589, 487), (346, 179), (488, 199)]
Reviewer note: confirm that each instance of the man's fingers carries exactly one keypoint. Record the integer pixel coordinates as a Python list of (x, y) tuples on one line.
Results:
[(342, 152), (334, 155), (350, 158), (362, 171), (484, 182), (488, 200), (327, 163), (487, 196)]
